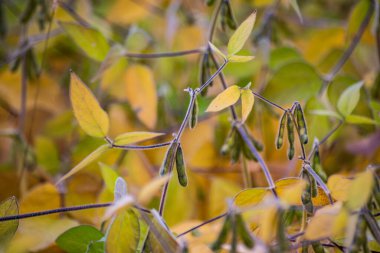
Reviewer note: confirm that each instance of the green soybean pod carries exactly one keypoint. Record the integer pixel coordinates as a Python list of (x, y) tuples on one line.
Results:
[(317, 247), (181, 167), (194, 115), (223, 16), (281, 232), (243, 232), (236, 148), (290, 128), (168, 162), (204, 72), (256, 143), (3, 21), (301, 124), (222, 236), (317, 167), (281, 129), (28, 12), (210, 2), (230, 19)]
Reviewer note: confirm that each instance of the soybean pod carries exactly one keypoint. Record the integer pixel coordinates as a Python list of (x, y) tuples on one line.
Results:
[(290, 128), (168, 162), (222, 237), (181, 167), (230, 19), (194, 114), (301, 124), (281, 129), (243, 232)]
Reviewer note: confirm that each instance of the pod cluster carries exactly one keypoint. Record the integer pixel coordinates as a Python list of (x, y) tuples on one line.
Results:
[(174, 156), (289, 120), (235, 145), (43, 12), (233, 222)]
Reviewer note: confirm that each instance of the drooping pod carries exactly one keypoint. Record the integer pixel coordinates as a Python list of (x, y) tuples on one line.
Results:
[(223, 16), (281, 232), (228, 143), (281, 130), (169, 159), (306, 196), (316, 165), (222, 236), (237, 146), (210, 2), (194, 115), (181, 167), (205, 72), (230, 19), (243, 232), (28, 12), (317, 247), (290, 128), (301, 124)]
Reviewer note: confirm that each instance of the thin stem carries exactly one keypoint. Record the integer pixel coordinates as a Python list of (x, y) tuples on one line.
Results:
[(303, 153), (319, 181), (74, 14), (202, 224), (219, 70), (247, 140), (164, 54), (136, 147), (267, 101), (246, 175), (354, 42), (213, 21), (193, 96)]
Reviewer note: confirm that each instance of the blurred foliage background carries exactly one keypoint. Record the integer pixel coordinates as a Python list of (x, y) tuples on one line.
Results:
[(40, 140)]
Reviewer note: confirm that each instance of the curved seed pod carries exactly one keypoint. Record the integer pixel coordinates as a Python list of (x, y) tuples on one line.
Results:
[(194, 115), (306, 201), (290, 128), (15, 64), (257, 144), (301, 124), (359, 241), (204, 72), (237, 147), (168, 162), (234, 237), (181, 167), (228, 143), (317, 247), (28, 12), (230, 19), (3, 21), (222, 237), (305, 248), (307, 195), (372, 225), (33, 68), (317, 167), (281, 232), (243, 232), (281, 130), (223, 16), (247, 152)]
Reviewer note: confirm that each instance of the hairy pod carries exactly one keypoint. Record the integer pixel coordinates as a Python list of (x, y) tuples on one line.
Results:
[(230, 19), (372, 225), (243, 232), (281, 130), (222, 236), (301, 124), (307, 195), (228, 143), (204, 72), (317, 166), (290, 128), (281, 232), (223, 16), (237, 146), (256, 143), (181, 167), (317, 247), (168, 162), (194, 115), (29, 10)]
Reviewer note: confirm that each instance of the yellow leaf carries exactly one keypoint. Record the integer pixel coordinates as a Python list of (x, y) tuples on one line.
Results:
[(360, 190), (118, 206), (240, 36), (227, 98), (86, 161), (40, 198), (133, 137), (290, 190), (269, 224), (247, 101), (250, 197), (339, 186), (321, 199), (321, 225), (216, 50), (90, 40), (141, 93), (91, 117), (126, 12), (240, 58)]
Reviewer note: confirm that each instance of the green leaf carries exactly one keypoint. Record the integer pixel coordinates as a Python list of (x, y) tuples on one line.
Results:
[(109, 176), (240, 36), (226, 98), (349, 98), (240, 58), (86, 161), (80, 239), (358, 119), (326, 113), (91, 117), (216, 50), (296, 81), (47, 154), (283, 55), (8, 228), (133, 137), (124, 233), (91, 41)]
